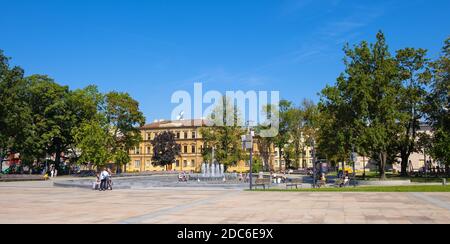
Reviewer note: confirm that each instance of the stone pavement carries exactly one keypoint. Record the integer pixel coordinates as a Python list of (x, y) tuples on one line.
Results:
[(40, 202)]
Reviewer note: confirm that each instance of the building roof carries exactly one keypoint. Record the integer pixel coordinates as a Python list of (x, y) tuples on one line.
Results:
[(174, 124)]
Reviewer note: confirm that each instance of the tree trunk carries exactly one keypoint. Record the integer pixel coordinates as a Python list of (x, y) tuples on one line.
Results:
[(404, 164), (382, 165), (57, 159), (364, 167)]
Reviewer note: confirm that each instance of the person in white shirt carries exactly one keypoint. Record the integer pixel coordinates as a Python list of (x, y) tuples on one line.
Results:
[(103, 178)]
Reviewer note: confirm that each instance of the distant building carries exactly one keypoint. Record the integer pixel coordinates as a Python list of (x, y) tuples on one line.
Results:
[(418, 159), (188, 136)]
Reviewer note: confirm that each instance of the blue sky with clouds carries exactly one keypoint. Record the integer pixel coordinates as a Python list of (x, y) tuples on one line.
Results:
[(153, 48)]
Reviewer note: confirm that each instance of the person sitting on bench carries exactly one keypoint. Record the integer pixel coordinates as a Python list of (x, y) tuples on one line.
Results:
[(346, 180)]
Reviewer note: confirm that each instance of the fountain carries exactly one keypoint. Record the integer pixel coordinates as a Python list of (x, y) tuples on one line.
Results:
[(213, 172)]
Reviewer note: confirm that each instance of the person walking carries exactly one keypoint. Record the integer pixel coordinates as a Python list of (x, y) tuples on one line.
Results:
[(52, 170)]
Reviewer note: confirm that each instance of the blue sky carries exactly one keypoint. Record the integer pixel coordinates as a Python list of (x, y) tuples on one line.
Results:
[(152, 48)]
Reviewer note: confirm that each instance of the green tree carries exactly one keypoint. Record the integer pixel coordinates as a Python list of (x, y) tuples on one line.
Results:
[(15, 113), (93, 140), (265, 143), (224, 135), (438, 107), (364, 103), (53, 119), (124, 119), (294, 119), (165, 149), (281, 141), (90, 129), (414, 72)]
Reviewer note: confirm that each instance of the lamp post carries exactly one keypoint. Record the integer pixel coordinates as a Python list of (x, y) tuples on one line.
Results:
[(353, 158), (247, 142), (314, 163)]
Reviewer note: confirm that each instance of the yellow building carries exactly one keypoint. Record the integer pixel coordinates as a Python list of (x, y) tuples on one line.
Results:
[(188, 136)]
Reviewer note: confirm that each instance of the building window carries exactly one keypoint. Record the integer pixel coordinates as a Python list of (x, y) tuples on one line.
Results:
[(148, 164), (137, 164), (193, 163), (185, 149), (178, 163), (137, 150), (193, 135), (185, 135), (148, 137), (185, 163), (149, 149), (178, 135), (193, 149)]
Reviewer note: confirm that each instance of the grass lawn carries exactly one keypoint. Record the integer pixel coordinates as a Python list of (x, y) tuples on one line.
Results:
[(371, 189)]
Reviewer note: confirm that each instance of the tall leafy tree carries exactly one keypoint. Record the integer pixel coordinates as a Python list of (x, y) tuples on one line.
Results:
[(281, 141), (15, 113), (224, 135), (414, 73), (438, 107), (363, 105), (92, 139), (53, 119), (124, 119), (165, 149), (295, 126)]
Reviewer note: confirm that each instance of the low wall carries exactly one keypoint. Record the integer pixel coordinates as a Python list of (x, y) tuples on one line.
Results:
[(383, 183), (14, 178)]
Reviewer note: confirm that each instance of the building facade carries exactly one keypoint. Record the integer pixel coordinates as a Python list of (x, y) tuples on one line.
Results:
[(188, 136)]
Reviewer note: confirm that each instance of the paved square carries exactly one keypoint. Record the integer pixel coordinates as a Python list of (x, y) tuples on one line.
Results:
[(40, 202)]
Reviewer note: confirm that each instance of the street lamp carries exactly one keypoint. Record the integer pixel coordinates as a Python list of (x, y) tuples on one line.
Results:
[(314, 163), (247, 142), (353, 159)]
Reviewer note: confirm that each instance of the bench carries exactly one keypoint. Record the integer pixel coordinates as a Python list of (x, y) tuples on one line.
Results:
[(340, 183), (291, 183), (321, 183), (262, 183)]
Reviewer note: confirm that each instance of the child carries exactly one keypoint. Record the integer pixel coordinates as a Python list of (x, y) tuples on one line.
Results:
[(96, 184)]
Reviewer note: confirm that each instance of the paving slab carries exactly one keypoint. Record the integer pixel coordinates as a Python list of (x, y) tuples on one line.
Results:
[(41, 202)]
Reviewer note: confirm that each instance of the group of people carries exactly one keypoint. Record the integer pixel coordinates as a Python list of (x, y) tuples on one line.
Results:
[(344, 178), (182, 177), (104, 180), (244, 178), (279, 179)]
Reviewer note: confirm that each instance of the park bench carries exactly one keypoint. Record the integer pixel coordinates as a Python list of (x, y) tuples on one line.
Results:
[(340, 183), (321, 183), (291, 183), (262, 183)]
